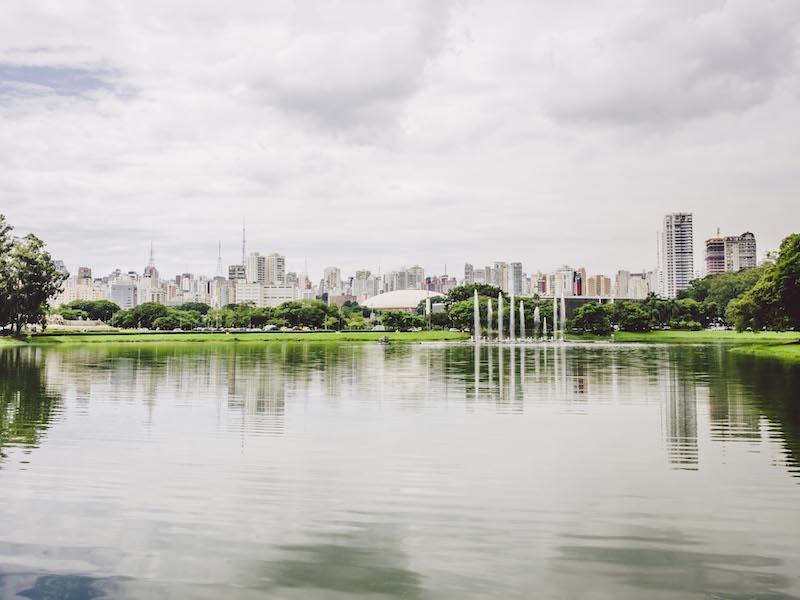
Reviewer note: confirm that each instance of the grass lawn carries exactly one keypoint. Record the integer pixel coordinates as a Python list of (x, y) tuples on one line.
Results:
[(710, 336), (787, 352), (116, 338)]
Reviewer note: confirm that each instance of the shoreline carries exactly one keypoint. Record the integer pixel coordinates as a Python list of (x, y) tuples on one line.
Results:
[(784, 346), (157, 337)]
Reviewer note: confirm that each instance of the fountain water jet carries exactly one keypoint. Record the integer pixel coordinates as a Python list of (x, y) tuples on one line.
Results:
[(476, 317), (500, 317), (489, 316), (536, 321), (521, 320), (512, 313)]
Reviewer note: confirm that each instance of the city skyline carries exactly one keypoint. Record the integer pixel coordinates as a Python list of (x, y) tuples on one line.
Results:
[(397, 133)]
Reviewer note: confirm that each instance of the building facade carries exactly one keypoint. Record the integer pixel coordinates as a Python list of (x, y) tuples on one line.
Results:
[(677, 253)]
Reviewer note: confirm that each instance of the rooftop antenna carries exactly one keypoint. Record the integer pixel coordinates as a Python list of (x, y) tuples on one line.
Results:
[(244, 244), (152, 261), (219, 259)]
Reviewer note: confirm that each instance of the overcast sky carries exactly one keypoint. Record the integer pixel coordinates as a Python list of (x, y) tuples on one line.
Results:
[(373, 133)]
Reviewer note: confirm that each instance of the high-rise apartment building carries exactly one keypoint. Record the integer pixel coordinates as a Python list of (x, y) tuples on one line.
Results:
[(598, 285), (730, 253), (500, 275), (276, 269), (740, 252), (677, 253), (332, 278), (255, 268), (515, 278), (237, 272), (469, 274), (715, 256)]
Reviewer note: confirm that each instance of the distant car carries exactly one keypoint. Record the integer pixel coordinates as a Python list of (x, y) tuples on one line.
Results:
[(271, 328)]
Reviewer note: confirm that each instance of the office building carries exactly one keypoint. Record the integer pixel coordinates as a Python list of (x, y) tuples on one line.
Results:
[(469, 274), (740, 252), (516, 279)]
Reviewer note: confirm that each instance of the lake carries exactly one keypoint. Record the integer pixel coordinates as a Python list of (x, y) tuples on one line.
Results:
[(404, 471)]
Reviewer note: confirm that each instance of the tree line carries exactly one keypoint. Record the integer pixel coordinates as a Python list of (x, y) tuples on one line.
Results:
[(760, 298)]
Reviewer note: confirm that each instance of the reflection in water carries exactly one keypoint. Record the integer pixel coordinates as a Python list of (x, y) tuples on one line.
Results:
[(407, 471)]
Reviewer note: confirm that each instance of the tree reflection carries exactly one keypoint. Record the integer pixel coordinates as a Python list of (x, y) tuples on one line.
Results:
[(27, 405)]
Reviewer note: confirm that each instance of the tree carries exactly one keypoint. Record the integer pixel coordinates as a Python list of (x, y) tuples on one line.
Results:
[(593, 318), (28, 280), (143, 315), (630, 316), (101, 310), (774, 301), (466, 292), (397, 320), (198, 307)]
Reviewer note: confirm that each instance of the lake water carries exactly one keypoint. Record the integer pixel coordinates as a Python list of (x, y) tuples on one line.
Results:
[(404, 471)]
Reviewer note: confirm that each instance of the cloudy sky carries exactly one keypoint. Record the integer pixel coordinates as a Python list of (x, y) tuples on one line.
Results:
[(396, 132)]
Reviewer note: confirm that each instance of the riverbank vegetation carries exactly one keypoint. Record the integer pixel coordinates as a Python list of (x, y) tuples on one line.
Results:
[(785, 352)]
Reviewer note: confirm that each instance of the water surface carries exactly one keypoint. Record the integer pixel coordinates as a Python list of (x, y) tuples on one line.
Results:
[(408, 471)]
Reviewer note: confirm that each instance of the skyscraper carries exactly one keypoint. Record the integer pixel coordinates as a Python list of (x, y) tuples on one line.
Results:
[(677, 253)]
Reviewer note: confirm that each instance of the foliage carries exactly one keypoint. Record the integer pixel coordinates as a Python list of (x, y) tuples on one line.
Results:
[(198, 307), (398, 320), (141, 316), (101, 310), (28, 280), (593, 318), (719, 290), (774, 302), (466, 292), (73, 314)]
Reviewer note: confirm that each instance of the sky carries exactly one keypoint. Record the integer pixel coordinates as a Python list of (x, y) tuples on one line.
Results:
[(375, 134)]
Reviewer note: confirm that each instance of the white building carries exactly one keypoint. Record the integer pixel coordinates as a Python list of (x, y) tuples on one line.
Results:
[(276, 269), (677, 253), (255, 268)]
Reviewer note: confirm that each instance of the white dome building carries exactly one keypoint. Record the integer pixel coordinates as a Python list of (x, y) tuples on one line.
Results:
[(400, 300)]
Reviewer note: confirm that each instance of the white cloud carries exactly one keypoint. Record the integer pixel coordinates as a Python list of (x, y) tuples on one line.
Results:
[(395, 132)]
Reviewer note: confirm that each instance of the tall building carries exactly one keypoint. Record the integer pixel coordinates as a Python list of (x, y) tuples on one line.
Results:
[(500, 275), (715, 255), (598, 285), (730, 253), (255, 268), (276, 269), (416, 278), (740, 252), (237, 273), (84, 275), (677, 250), (515, 279), (332, 278), (469, 274)]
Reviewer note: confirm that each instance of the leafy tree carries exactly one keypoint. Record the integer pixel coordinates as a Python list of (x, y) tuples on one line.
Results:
[(774, 302), (397, 320), (466, 292), (167, 323), (630, 316), (721, 289), (198, 307), (143, 315), (356, 321), (101, 310), (28, 280), (593, 318), (73, 314)]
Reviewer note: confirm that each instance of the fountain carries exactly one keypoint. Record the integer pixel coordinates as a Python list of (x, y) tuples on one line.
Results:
[(563, 317), (544, 328), (500, 317), (536, 317), (555, 319), (489, 316), (511, 314), (521, 320), (476, 316)]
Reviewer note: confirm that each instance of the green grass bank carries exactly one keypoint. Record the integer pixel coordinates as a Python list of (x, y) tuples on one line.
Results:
[(786, 352), (271, 337), (709, 336)]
